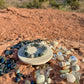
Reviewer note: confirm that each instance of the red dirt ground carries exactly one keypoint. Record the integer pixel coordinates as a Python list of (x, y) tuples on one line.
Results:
[(21, 24)]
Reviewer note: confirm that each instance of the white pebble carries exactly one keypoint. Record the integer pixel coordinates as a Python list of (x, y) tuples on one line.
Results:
[(40, 79), (49, 80), (71, 78), (83, 60), (60, 58)]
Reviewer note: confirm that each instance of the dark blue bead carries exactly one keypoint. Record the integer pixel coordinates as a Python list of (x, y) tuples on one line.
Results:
[(9, 65), (17, 79), (8, 62), (2, 60), (7, 70), (11, 52), (32, 82)]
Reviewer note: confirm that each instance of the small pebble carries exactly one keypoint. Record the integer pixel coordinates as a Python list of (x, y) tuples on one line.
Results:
[(19, 75), (59, 54), (75, 68), (60, 58), (74, 62), (49, 80), (40, 79), (68, 52), (64, 71), (66, 67), (27, 82), (17, 79), (62, 64), (63, 76), (37, 72), (17, 71), (45, 83), (71, 78), (7, 52), (78, 75), (82, 60), (10, 52), (72, 58)]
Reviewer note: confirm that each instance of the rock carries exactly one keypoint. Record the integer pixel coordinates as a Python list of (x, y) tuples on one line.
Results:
[(49, 80), (75, 68), (7, 70), (64, 71), (54, 57), (37, 67), (66, 67), (2, 59), (45, 83), (17, 79), (74, 62), (82, 60), (72, 58), (40, 79), (54, 43), (60, 58), (10, 52), (7, 52), (78, 75), (63, 76), (68, 52), (19, 75), (71, 78), (17, 71), (62, 64), (37, 73), (27, 82), (2, 66), (59, 54)]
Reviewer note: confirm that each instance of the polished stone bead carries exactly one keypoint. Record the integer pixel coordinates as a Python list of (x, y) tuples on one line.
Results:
[(11, 52), (17, 79), (32, 82), (19, 75), (7, 52)]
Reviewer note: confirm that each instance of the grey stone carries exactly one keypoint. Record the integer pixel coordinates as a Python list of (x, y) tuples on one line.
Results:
[(75, 68), (27, 82)]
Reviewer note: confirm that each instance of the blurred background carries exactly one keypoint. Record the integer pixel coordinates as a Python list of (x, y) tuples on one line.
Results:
[(65, 5)]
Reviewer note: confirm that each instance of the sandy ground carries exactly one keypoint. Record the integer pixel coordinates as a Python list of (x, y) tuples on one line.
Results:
[(28, 24)]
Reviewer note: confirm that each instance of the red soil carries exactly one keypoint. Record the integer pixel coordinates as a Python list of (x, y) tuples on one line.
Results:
[(20, 24)]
